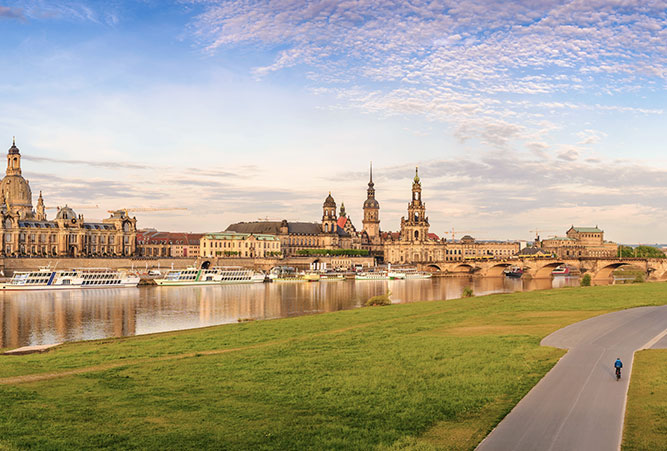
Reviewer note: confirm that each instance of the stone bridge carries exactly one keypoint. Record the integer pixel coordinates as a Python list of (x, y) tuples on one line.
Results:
[(598, 268)]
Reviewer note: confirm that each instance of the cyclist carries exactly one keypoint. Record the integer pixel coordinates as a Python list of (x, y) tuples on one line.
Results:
[(618, 365)]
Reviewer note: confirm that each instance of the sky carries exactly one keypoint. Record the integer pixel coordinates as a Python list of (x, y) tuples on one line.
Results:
[(521, 116)]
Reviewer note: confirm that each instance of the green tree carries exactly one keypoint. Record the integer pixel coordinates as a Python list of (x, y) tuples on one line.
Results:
[(640, 252), (585, 280)]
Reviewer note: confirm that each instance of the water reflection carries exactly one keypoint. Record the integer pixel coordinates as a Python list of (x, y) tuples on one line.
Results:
[(29, 318)]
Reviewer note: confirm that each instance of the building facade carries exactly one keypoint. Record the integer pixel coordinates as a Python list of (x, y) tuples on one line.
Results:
[(371, 235), (416, 244), (331, 233), (154, 244), (233, 244), (28, 232), (581, 242)]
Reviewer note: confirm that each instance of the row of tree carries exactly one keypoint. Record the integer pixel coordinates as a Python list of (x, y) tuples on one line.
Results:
[(640, 252)]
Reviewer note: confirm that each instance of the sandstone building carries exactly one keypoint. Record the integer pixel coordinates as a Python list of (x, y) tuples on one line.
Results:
[(581, 242), (331, 233), (151, 243), (27, 232), (371, 236), (416, 244), (233, 244)]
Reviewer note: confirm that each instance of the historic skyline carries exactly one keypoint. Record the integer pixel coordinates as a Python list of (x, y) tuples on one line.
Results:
[(518, 117)]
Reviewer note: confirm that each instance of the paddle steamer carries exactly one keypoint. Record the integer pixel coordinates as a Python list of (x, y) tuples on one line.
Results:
[(212, 276), (68, 279)]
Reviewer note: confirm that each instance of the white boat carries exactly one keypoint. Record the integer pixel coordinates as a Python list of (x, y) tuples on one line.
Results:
[(222, 275), (408, 273), (284, 274), (331, 277), (372, 275), (68, 279)]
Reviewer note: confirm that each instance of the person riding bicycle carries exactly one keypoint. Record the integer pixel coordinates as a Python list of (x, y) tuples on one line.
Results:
[(618, 365)]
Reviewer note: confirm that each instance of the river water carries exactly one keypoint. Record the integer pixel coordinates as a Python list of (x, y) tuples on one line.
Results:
[(33, 318)]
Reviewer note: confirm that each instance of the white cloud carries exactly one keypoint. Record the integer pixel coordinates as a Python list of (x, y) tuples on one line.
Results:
[(457, 61)]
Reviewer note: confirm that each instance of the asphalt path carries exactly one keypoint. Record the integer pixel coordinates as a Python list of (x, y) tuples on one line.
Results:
[(579, 405)]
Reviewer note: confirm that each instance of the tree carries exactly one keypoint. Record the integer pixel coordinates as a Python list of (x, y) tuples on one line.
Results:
[(640, 252)]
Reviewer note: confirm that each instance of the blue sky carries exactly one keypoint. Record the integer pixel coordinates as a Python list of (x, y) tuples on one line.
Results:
[(520, 115)]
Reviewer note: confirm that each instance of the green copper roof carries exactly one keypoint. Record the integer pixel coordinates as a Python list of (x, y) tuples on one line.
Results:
[(587, 229)]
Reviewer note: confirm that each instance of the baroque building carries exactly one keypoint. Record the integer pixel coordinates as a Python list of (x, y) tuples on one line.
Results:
[(233, 244), (581, 242), (371, 236), (27, 232), (416, 244), (331, 233), (153, 244)]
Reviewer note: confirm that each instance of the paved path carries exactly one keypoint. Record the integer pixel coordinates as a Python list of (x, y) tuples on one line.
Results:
[(579, 405)]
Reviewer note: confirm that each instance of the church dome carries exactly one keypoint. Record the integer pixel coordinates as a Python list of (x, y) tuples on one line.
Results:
[(371, 203), (66, 213), (329, 201), (13, 149), (16, 190)]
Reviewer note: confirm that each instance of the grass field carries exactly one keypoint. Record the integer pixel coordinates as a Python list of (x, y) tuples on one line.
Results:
[(646, 413), (424, 375)]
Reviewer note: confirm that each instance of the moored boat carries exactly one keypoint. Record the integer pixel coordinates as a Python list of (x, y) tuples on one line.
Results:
[(311, 277), (331, 277), (513, 271), (408, 273), (561, 271), (68, 279), (284, 274), (221, 275), (372, 275)]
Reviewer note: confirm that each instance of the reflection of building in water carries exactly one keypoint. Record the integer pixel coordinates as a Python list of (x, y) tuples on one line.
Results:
[(28, 232), (28, 318)]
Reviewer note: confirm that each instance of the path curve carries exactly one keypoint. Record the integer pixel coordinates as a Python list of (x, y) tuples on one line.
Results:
[(579, 405)]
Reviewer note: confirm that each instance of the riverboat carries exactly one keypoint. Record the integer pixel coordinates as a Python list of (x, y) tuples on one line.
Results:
[(408, 273), (332, 277), (563, 271), (311, 277), (513, 271), (68, 279), (372, 275), (285, 274), (221, 275)]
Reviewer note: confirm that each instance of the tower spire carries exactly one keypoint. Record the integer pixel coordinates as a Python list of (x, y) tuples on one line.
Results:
[(371, 172)]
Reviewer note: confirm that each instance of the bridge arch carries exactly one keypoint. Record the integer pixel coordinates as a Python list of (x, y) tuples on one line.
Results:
[(464, 267), (606, 272), (545, 271), (432, 267), (497, 270)]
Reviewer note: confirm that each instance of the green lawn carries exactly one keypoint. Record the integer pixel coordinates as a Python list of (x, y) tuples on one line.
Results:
[(430, 374), (646, 412)]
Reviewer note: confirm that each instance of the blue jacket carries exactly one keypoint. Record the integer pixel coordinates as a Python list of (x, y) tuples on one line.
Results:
[(618, 364)]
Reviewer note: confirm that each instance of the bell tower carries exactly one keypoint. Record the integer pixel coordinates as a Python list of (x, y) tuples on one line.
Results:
[(13, 159), (329, 219), (371, 219), (41, 210), (415, 227)]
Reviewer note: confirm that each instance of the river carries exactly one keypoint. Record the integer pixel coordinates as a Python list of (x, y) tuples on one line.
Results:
[(35, 318)]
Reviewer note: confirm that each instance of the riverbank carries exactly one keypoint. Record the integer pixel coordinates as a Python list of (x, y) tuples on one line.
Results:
[(439, 373)]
